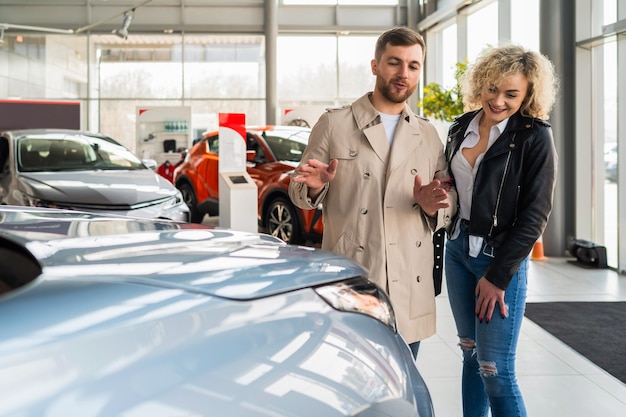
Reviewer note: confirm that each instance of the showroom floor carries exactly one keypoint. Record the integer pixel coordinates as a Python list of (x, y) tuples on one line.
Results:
[(555, 380)]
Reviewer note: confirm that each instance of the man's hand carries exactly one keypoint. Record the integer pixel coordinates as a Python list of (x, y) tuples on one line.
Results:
[(488, 295), (430, 197), (315, 174)]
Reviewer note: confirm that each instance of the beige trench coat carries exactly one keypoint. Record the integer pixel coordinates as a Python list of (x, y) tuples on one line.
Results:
[(368, 208)]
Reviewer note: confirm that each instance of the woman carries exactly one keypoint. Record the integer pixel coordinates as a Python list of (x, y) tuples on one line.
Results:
[(502, 158)]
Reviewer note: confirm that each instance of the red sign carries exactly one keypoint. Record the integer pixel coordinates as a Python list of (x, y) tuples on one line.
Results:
[(234, 121)]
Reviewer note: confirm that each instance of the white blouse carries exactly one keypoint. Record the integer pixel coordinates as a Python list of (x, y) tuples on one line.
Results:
[(464, 174)]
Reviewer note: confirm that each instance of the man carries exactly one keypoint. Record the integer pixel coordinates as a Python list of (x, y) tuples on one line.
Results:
[(367, 164)]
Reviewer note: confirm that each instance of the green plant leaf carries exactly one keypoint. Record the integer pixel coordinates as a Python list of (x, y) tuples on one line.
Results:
[(440, 103)]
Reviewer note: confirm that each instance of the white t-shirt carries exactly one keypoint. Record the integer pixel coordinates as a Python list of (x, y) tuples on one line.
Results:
[(390, 121)]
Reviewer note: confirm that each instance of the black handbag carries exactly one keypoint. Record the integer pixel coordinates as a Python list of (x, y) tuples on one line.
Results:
[(588, 254)]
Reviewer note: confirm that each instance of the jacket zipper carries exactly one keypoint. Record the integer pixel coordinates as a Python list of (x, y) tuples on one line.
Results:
[(494, 222)]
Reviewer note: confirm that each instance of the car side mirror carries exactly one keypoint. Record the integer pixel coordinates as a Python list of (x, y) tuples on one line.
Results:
[(150, 163), (250, 156)]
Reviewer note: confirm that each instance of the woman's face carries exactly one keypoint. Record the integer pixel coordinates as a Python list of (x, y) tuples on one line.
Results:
[(503, 100)]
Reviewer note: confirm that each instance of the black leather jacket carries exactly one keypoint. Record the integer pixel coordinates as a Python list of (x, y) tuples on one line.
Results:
[(513, 190)]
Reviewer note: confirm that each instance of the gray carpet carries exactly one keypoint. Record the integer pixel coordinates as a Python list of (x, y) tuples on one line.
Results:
[(596, 330)]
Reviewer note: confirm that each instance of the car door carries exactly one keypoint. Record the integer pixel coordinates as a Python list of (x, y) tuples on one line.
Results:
[(208, 168)]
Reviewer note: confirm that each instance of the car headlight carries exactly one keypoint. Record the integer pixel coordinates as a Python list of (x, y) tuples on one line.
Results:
[(31, 201), (360, 295), (176, 200)]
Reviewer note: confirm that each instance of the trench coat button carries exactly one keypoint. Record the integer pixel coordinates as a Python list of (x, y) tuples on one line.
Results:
[(353, 153), (416, 206), (413, 171), (363, 211), (449, 140), (511, 145), (418, 278), (366, 175), (360, 249), (527, 126), (418, 244)]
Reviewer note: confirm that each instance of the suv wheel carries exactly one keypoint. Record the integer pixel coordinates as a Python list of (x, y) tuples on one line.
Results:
[(189, 197), (281, 221)]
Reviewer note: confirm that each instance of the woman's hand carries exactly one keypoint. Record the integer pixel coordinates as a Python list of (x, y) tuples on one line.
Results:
[(487, 296)]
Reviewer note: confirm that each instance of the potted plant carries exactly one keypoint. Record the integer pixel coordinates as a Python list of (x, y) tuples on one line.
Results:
[(444, 104)]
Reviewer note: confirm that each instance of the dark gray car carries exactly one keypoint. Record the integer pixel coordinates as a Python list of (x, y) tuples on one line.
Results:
[(82, 171)]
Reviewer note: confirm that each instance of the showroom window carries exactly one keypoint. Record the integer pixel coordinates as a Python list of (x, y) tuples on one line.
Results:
[(355, 71), (482, 30), (600, 128), (316, 72), (222, 67), (340, 2), (148, 69), (525, 23), (212, 74), (307, 67)]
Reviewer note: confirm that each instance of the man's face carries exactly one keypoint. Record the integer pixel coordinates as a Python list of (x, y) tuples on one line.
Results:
[(398, 72)]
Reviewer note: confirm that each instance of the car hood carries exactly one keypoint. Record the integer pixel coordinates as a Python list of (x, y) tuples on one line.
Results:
[(195, 258), (106, 188)]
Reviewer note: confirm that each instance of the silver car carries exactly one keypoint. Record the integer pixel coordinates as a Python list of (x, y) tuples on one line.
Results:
[(82, 171), (108, 316)]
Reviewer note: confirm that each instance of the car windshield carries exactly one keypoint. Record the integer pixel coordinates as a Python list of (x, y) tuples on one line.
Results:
[(287, 145), (63, 152)]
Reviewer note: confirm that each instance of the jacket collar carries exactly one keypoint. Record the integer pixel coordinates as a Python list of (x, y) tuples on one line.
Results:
[(364, 112), (368, 121), (366, 115), (516, 122)]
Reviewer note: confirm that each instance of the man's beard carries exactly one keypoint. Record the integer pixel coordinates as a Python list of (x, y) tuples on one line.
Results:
[(387, 91)]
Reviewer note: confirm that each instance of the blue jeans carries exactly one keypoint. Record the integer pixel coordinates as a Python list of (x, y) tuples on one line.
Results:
[(415, 347), (488, 379)]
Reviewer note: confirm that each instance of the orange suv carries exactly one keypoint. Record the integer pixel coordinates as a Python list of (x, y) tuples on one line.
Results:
[(272, 154)]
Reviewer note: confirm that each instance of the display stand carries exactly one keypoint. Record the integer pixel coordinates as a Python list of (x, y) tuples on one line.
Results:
[(161, 131), (238, 192)]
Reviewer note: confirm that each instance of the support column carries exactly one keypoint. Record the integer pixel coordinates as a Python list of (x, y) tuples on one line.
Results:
[(557, 41), (621, 142), (271, 35)]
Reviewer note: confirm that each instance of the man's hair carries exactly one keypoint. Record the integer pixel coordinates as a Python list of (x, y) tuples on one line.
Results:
[(398, 36)]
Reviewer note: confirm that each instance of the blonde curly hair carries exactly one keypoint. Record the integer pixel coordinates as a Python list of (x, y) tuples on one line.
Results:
[(496, 63)]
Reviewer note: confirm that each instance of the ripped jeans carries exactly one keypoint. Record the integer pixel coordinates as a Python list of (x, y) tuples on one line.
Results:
[(489, 349)]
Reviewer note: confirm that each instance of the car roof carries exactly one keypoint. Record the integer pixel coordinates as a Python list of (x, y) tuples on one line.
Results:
[(265, 128), (27, 132)]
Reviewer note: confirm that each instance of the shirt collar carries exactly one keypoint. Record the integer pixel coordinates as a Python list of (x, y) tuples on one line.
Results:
[(473, 126)]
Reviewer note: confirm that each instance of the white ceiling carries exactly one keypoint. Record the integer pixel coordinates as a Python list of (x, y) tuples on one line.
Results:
[(195, 16)]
